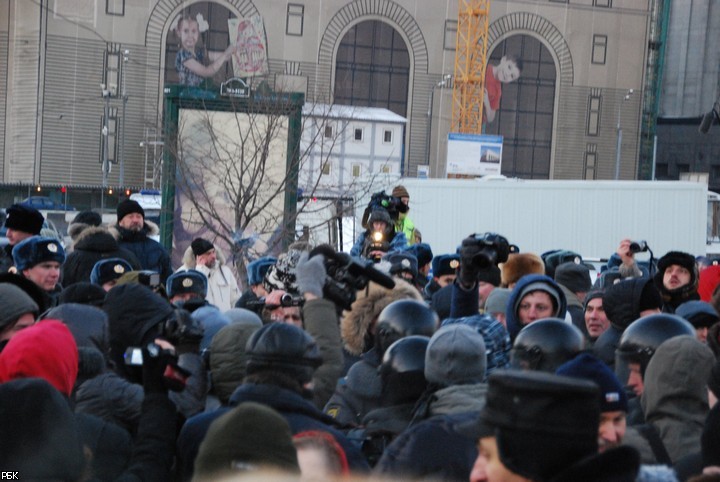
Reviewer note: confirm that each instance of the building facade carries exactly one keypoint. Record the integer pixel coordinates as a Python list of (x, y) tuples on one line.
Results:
[(560, 119)]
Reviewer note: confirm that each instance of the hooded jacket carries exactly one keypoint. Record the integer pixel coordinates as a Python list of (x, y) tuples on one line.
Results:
[(149, 252), (92, 245), (228, 358), (675, 396), (223, 289), (511, 317), (621, 302)]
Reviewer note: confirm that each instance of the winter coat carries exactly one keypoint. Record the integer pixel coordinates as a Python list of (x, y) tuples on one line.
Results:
[(675, 396), (397, 243), (511, 317), (576, 310), (458, 399), (228, 359), (321, 322), (92, 245), (441, 301), (300, 414), (223, 289), (149, 252), (111, 398), (622, 306), (212, 321), (434, 449)]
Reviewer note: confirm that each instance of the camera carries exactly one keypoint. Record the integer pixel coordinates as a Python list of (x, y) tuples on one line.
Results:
[(148, 278), (346, 275), (492, 249), (288, 299), (175, 376), (392, 204), (638, 246), (376, 246)]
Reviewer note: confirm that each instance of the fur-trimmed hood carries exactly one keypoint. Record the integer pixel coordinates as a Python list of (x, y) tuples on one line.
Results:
[(149, 228), (94, 238), (367, 307), (188, 259)]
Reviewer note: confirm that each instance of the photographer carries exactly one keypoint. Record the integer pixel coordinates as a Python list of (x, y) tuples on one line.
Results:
[(379, 238)]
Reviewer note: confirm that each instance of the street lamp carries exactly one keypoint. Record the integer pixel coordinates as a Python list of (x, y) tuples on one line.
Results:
[(439, 85), (628, 94)]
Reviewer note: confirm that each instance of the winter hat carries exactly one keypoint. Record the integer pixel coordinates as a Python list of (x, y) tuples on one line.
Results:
[(497, 300), (699, 313), (649, 298), (709, 279), (714, 380), (84, 293), (285, 348), (88, 324), (679, 258), (228, 358), (456, 355), (29, 288), (243, 316), (248, 438), (402, 261), (539, 286), (710, 438), (553, 259), (24, 218), (422, 252), (400, 191), (201, 246), (282, 275), (107, 270), (91, 218), (574, 276), (445, 264), (35, 250), (188, 281), (257, 269), (491, 275), (520, 264), (591, 296), (612, 393), (44, 350), (14, 303), (543, 422), (39, 435), (129, 206)]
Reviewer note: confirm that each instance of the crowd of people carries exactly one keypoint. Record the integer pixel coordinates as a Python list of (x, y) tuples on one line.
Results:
[(388, 363)]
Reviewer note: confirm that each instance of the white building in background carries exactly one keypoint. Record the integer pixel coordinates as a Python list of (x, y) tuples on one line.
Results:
[(342, 146)]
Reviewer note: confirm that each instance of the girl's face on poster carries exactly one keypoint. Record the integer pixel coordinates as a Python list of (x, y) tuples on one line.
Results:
[(189, 33)]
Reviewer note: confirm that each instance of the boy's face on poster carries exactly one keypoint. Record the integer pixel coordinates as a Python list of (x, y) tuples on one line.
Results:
[(507, 70), (189, 33)]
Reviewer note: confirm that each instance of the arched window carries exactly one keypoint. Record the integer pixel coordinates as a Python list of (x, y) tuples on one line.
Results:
[(372, 68), (525, 117)]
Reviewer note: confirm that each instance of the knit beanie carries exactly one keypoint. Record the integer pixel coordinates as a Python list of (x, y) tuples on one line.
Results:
[(455, 356), (591, 296), (283, 274), (649, 298), (400, 191), (574, 276), (129, 206), (24, 218), (35, 250), (539, 286), (84, 293), (14, 303), (201, 246), (250, 437), (497, 300), (91, 218), (586, 366)]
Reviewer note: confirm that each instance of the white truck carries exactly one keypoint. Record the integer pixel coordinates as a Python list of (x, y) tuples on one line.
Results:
[(588, 217)]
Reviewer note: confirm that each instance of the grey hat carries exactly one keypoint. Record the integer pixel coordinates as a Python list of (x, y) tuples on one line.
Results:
[(497, 300), (14, 303), (456, 355), (244, 317), (539, 286), (574, 276)]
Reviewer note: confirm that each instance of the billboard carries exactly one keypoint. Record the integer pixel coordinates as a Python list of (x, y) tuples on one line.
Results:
[(473, 154)]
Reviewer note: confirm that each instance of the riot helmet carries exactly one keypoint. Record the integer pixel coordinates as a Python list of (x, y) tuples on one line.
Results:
[(545, 344), (403, 370), (403, 318)]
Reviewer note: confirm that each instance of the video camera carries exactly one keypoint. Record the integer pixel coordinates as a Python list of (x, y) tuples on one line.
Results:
[(286, 300), (376, 246), (492, 249), (392, 204), (346, 275), (174, 376)]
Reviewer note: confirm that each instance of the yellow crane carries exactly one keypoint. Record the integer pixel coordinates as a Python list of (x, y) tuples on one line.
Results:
[(470, 62)]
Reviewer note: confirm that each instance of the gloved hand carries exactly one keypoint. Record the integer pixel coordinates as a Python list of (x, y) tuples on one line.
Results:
[(156, 358), (468, 268), (185, 331), (311, 274)]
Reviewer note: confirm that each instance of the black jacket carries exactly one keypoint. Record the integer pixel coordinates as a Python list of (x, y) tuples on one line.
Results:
[(149, 252), (93, 245)]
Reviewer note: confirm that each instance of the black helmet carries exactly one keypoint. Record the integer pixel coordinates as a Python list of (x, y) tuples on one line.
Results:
[(545, 344), (403, 318), (644, 335), (285, 348), (403, 370)]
